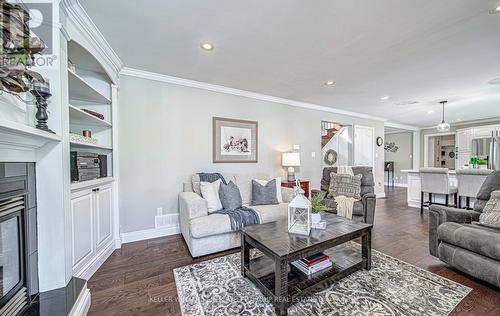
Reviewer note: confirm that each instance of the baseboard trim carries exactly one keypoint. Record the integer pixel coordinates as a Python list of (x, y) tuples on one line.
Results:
[(82, 305), (380, 195), (414, 204), (87, 271), (149, 234)]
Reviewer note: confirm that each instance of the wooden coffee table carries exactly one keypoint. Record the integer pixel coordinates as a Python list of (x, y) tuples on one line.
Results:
[(284, 286)]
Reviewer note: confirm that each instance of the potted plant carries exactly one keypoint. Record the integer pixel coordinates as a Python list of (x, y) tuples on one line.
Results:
[(317, 207)]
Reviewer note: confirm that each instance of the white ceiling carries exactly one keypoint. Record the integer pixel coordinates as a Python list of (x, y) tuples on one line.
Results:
[(423, 50)]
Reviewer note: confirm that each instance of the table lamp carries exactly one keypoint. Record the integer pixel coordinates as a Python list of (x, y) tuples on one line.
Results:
[(290, 160)]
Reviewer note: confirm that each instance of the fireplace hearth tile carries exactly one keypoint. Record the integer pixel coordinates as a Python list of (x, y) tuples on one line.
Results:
[(58, 302)]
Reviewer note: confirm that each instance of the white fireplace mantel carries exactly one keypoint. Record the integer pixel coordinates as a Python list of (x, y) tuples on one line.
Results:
[(19, 142)]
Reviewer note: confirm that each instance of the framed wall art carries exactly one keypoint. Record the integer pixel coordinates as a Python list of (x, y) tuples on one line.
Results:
[(234, 140)]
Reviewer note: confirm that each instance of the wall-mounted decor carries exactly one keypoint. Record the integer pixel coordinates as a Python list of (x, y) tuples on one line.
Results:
[(380, 141), (234, 140), (330, 157), (391, 147)]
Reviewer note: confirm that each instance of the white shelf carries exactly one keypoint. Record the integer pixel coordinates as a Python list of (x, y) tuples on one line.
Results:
[(80, 117), (91, 183), (15, 134), (80, 90), (86, 145)]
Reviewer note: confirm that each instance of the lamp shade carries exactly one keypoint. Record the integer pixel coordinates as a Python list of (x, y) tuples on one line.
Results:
[(290, 160)]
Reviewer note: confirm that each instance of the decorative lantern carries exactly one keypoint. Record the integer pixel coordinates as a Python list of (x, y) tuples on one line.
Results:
[(299, 214)]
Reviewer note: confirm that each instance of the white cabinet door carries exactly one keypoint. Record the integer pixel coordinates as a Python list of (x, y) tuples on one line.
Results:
[(364, 146), (82, 219), (464, 140), (483, 132), (104, 208), (463, 159)]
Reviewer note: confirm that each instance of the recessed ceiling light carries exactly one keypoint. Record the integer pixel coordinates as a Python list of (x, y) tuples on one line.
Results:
[(207, 46), (330, 83), (402, 103), (496, 10), (494, 81), (431, 112), (384, 98)]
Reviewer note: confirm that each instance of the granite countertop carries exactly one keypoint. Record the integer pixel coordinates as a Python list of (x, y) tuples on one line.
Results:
[(418, 171)]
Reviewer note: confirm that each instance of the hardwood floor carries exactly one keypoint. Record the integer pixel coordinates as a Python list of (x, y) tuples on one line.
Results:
[(138, 279)]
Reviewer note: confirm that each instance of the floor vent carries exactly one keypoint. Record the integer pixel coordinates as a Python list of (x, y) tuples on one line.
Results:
[(167, 220)]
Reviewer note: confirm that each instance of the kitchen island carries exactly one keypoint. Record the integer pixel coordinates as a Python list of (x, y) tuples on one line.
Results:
[(414, 187)]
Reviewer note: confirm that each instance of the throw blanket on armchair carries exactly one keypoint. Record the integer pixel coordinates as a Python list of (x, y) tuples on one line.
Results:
[(241, 217), (211, 177), (345, 204)]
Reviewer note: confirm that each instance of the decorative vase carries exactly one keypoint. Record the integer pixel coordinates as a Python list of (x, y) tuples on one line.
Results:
[(315, 218)]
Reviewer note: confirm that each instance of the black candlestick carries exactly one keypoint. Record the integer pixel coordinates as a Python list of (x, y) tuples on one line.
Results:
[(41, 91)]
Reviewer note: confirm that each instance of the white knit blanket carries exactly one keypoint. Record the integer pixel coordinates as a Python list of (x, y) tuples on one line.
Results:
[(345, 204)]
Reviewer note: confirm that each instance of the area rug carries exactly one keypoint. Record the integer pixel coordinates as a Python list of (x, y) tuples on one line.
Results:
[(391, 287)]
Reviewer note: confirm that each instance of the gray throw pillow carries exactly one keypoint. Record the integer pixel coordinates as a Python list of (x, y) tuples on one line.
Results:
[(230, 196), (264, 194), (346, 185), (491, 184), (491, 213)]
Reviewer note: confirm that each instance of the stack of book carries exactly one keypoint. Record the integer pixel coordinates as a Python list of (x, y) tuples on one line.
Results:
[(313, 264)]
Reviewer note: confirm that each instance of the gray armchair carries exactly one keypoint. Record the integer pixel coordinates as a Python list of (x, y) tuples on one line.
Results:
[(456, 240), (364, 210)]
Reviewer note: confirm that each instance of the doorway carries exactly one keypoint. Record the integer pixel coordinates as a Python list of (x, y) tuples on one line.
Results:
[(398, 149), (440, 151)]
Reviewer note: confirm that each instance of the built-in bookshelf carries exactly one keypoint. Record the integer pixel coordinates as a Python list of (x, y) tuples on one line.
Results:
[(90, 104)]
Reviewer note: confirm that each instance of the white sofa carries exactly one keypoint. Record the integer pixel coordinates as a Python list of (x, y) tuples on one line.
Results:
[(209, 233)]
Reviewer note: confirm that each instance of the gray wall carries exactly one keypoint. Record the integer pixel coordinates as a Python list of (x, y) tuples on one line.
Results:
[(403, 157), (453, 129), (165, 135)]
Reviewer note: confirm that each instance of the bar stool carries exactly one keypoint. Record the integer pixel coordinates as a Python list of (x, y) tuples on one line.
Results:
[(436, 181), (469, 183)]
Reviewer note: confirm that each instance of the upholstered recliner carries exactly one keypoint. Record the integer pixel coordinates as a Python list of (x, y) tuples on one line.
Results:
[(364, 210), (470, 248)]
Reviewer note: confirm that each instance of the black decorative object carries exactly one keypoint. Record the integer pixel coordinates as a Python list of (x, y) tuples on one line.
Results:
[(41, 91), (380, 141), (391, 147), (389, 168)]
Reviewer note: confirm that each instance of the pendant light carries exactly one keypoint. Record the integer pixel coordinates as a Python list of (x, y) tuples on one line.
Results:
[(443, 126)]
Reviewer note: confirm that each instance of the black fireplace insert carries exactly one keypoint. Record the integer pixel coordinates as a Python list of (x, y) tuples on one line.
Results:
[(18, 238)]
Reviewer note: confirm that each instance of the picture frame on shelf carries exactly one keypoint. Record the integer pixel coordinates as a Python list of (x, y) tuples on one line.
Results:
[(234, 141)]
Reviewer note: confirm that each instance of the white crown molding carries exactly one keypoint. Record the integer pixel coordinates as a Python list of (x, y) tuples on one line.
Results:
[(402, 126), (397, 132), (79, 16), (474, 122), (126, 71)]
